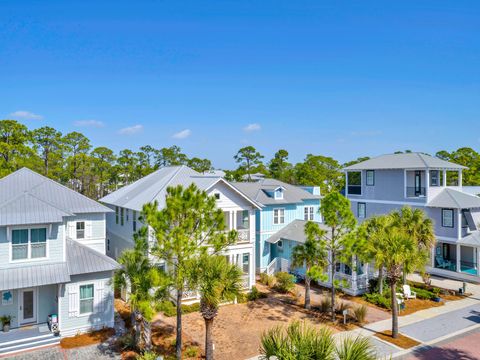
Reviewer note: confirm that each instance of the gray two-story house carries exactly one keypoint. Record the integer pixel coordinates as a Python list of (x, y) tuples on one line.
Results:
[(389, 182), (52, 262)]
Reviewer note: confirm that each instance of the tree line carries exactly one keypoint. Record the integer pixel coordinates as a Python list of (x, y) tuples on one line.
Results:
[(95, 171)]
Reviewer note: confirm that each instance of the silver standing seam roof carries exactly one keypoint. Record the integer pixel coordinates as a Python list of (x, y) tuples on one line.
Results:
[(412, 160), (153, 187), (30, 198), (80, 260), (454, 199), (295, 231), (258, 191)]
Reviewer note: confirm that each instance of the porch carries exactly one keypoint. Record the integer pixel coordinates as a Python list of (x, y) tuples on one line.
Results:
[(238, 220), (457, 258), (27, 338)]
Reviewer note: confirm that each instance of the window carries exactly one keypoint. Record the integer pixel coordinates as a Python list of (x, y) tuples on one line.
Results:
[(354, 183), (217, 196), (278, 216), (126, 210), (280, 244), (434, 178), (308, 212), (80, 229), (134, 222), (122, 216), (245, 263), (278, 194), (38, 243), (19, 244), (464, 218), (116, 215), (86, 299), (29, 243), (447, 218), (361, 210), (108, 244), (370, 181)]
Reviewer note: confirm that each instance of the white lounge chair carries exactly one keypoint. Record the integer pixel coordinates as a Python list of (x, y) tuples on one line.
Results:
[(408, 293)]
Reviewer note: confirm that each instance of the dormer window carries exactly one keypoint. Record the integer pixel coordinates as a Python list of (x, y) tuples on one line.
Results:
[(278, 194), (217, 196)]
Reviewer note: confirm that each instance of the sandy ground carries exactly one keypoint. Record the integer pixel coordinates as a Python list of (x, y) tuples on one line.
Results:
[(238, 328)]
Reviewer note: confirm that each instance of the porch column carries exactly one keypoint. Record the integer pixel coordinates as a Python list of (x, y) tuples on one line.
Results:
[(346, 184), (444, 184), (230, 216), (460, 179), (354, 273), (459, 224), (427, 181), (458, 258), (234, 220)]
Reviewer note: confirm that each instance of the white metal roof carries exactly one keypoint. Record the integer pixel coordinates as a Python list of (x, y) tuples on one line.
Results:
[(405, 161), (153, 187), (30, 198), (451, 198)]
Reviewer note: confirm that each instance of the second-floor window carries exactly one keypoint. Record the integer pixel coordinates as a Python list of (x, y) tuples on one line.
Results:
[(308, 213), (434, 178), (361, 210), (447, 218), (116, 215), (278, 216), (80, 229), (370, 178), (354, 183), (122, 218), (29, 243), (134, 221)]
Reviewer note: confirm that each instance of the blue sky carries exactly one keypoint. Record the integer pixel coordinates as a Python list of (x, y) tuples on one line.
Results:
[(337, 78)]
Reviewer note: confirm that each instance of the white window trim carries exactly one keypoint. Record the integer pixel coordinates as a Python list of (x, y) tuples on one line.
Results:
[(453, 218), (278, 223), (366, 177), (309, 211), (359, 204), (84, 229), (86, 283), (28, 259)]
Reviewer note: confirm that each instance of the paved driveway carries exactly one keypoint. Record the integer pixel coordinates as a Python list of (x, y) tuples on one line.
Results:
[(442, 325)]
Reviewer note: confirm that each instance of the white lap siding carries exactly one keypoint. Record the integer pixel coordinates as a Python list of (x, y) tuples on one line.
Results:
[(71, 321)]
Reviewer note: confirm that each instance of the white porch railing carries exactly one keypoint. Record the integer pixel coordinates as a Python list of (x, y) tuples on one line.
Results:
[(243, 235), (245, 281), (276, 265)]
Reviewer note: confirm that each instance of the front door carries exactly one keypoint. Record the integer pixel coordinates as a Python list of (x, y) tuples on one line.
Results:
[(418, 183), (28, 306)]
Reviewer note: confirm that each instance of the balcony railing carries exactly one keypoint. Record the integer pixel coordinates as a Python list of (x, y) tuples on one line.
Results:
[(243, 235), (413, 191), (354, 190), (468, 267)]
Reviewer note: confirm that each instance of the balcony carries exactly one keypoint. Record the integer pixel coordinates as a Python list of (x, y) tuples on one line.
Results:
[(413, 191)]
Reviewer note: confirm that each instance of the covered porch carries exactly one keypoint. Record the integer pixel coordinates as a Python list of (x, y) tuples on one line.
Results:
[(457, 257), (27, 338)]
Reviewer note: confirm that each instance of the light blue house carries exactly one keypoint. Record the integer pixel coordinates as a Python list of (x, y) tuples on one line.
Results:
[(279, 225), (52, 262)]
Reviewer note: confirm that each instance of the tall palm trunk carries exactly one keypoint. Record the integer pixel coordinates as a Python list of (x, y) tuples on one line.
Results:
[(380, 279), (178, 343), (208, 339), (307, 292), (393, 286)]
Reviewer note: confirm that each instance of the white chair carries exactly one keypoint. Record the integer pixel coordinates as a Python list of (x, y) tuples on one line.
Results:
[(408, 293)]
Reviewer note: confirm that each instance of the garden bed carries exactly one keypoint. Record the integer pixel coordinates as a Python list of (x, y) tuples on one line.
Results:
[(401, 341), (90, 338)]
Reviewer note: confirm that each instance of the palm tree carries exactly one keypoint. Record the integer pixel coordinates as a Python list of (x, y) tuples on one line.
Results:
[(399, 248), (420, 228), (139, 275), (311, 254), (302, 341), (217, 281)]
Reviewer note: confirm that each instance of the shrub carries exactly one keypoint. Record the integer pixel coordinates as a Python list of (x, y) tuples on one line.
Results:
[(341, 306), (242, 298), (360, 313), (424, 294), (147, 355), (126, 342), (285, 282), (378, 300), (255, 294), (167, 308), (266, 279), (373, 285), (325, 304), (191, 352), (187, 309)]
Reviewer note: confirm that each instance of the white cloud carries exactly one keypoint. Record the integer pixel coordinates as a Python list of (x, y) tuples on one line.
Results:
[(182, 134), (252, 127), (135, 129), (25, 115), (89, 123)]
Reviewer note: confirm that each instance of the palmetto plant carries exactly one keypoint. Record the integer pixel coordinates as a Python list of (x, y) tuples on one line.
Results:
[(217, 281), (299, 341)]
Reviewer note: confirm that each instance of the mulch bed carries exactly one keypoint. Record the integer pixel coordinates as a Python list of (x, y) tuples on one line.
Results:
[(94, 337), (401, 341)]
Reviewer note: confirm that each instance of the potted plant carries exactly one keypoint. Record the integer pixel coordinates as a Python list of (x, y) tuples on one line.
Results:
[(436, 292), (6, 321)]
